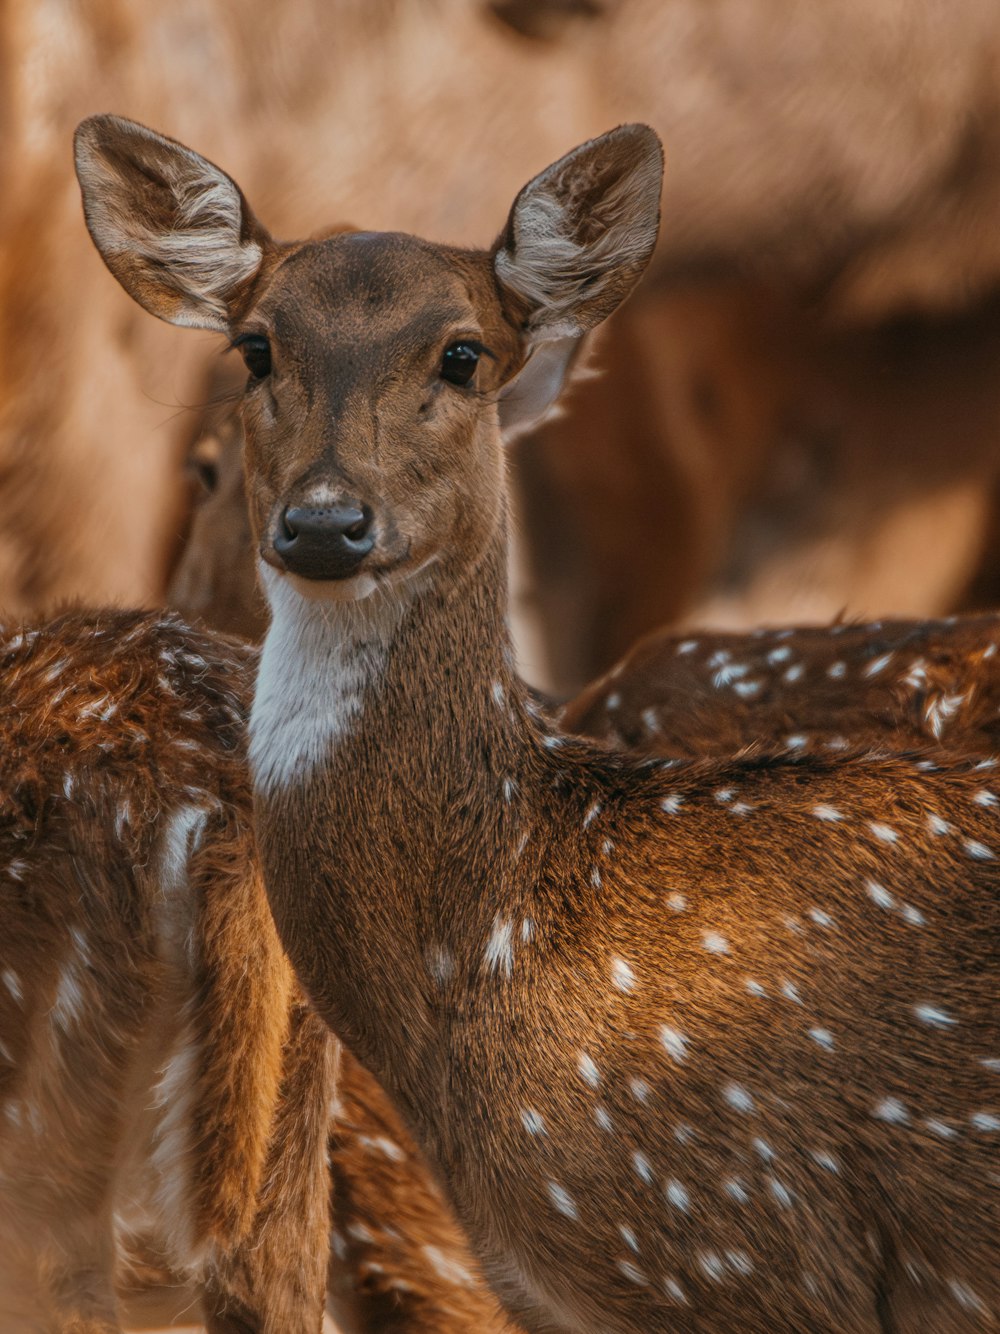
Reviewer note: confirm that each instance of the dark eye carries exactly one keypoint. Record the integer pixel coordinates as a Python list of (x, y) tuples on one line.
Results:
[(256, 352), (458, 365)]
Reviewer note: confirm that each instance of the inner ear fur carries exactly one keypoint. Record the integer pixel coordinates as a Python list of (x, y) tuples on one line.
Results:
[(576, 242), (581, 233), (172, 227)]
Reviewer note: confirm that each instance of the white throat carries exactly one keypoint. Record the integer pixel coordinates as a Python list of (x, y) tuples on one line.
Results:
[(319, 661)]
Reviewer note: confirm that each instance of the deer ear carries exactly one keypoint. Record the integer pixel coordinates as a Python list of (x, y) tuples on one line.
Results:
[(173, 229), (577, 240)]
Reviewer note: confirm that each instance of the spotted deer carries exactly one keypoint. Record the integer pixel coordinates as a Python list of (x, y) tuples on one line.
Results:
[(164, 1090), (694, 1046), (885, 685)]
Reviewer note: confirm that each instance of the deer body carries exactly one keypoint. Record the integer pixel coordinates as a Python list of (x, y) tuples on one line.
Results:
[(693, 1047), (161, 1086)]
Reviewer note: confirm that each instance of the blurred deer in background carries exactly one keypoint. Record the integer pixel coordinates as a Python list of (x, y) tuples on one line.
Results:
[(673, 1073), (804, 404), (164, 1089)]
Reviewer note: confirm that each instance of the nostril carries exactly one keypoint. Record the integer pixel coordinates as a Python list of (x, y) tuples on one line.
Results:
[(359, 528)]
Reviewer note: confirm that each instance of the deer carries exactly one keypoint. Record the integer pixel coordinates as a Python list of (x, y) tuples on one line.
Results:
[(692, 1046), (164, 1087)]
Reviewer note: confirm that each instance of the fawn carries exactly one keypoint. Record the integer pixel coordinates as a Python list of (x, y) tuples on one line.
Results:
[(703, 1046)]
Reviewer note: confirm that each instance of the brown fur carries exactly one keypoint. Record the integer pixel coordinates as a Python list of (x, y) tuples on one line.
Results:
[(117, 956), (745, 1010)]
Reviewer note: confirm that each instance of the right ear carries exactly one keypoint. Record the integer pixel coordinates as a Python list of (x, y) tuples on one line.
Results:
[(173, 229)]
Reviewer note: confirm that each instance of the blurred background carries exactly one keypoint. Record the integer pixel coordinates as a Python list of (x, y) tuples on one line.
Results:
[(796, 417)]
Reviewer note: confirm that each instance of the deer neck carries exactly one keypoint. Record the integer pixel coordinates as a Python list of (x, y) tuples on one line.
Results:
[(394, 760)]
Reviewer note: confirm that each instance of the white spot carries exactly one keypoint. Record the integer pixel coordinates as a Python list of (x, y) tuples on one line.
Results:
[(755, 988), (527, 930), (534, 1122), (603, 1119), (991, 1063), (724, 794), (940, 710), (562, 1200), (878, 665), (879, 895), (823, 1037), (711, 1266), (790, 992), (794, 673), (979, 851), (595, 876), (780, 1192), (985, 1121), (592, 815), (676, 902), (727, 674), (499, 950), (643, 1167), (964, 1295), (715, 942), (674, 1290), (650, 720), (12, 982), (629, 1238), (607, 847), (828, 813), (747, 689), (892, 1110), (447, 1268), (940, 1128), (826, 1160), (735, 1189), (683, 1133), (677, 1195), (613, 701), (912, 916), (916, 677), (440, 964), (740, 1261), (675, 1043), (70, 1003), (509, 788), (885, 833), (588, 1070), (836, 670), (639, 1089), (498, 694), (719, 657), (380, 1144), (738, 1098), (686, 646), (797, 741), (763, 1150), (984, 797), (672, 804), (632, 1273), (777, 655), (938, 826), (930, 1014), (820, 917)]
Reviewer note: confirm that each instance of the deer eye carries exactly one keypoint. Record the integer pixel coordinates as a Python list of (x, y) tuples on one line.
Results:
[(256, 353), (458, 365)]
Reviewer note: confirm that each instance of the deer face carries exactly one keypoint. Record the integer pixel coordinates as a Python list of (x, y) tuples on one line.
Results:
[(375, 364), (383, 371)]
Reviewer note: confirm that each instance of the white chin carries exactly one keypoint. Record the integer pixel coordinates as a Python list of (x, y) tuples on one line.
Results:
[(334, 590)]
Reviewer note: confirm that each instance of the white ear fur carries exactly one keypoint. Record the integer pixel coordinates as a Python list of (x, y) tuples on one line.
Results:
[(576, 242), (580, 234), (173, 228)]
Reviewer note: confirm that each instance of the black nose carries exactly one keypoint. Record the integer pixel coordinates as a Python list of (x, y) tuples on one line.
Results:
[(324, 543)]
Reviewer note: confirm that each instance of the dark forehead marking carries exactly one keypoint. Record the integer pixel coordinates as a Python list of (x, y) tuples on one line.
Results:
[(396, 288)]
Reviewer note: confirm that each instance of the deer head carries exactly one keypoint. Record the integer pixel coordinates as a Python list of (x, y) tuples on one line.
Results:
[(383, 369)]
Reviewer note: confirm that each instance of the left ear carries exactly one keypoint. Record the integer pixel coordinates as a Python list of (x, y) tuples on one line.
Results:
[(576, 242)]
